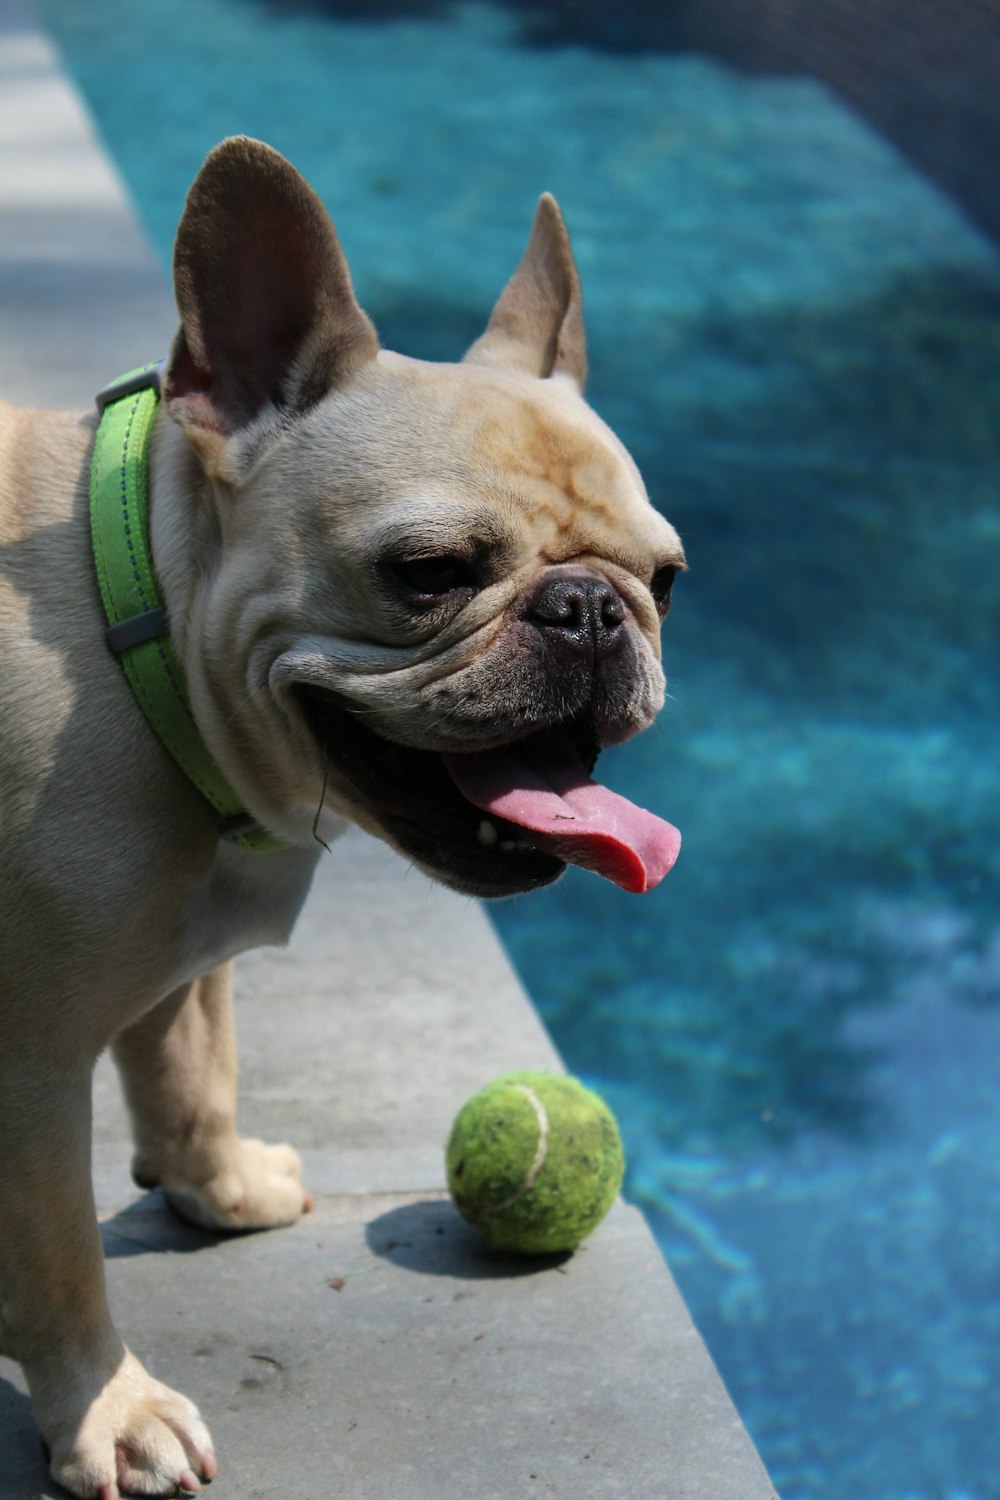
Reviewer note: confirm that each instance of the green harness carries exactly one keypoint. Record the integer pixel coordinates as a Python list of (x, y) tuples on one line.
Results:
[(138, 631)]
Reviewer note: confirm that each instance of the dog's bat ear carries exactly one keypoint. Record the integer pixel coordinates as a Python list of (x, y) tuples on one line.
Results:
[(268, 313), (537, 325)]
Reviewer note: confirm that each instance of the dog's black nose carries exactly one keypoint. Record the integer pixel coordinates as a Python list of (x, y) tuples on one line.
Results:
[(580, 605)]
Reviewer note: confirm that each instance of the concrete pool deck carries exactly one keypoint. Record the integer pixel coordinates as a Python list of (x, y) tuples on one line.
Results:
[(377, 1349)]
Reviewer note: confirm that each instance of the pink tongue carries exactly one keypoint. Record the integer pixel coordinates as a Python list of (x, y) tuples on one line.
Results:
[(578, 820)]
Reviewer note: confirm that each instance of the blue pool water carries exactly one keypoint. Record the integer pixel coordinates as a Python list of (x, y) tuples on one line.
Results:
[(800, 341)]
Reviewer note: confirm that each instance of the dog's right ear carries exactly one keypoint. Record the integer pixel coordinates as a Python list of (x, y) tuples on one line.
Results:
[(268, 313), (537, 326)]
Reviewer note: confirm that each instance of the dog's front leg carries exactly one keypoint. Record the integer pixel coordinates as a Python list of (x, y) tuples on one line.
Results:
[(105, 1421), (178, 1068)]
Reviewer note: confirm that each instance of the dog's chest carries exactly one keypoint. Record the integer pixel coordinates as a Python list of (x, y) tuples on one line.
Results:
[(245, 901)]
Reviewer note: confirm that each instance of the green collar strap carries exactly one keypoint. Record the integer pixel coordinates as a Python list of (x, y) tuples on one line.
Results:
[(138, 631)]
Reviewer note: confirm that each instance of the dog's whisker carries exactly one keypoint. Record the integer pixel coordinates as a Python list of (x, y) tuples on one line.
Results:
[(247, 698), (322, 799)]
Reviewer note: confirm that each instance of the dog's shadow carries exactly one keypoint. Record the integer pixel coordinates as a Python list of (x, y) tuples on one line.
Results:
[(150, 1226), (24, 1475)]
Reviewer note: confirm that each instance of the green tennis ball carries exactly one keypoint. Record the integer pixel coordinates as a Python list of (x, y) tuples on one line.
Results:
[(534, 1162)]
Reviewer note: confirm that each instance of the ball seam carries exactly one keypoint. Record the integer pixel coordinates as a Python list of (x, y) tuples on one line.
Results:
[(541, 1151)]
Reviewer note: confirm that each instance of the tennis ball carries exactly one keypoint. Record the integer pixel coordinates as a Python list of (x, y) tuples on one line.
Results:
[(534, 1162)]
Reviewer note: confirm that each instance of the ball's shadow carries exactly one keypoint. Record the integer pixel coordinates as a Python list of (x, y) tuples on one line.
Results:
[(431, 1238)]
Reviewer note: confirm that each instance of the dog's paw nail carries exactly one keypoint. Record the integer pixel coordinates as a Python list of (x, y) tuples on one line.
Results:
[(308, 1203), (209, 1465), (188, 1482), (108, 1492)]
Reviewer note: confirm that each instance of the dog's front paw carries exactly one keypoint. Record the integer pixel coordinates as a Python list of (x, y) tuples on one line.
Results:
[(256, 1186), (125, 1435)]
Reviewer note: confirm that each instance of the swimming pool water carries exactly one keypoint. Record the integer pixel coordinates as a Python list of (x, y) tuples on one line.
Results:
[(800, 341)]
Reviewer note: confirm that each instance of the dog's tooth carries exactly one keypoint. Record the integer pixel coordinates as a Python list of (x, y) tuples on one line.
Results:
[(486, 833)]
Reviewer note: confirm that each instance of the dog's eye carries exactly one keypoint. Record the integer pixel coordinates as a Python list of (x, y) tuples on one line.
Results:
[(660, 585), (434, 576)]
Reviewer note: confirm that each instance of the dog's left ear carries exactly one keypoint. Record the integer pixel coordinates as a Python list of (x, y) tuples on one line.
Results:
[(537, 326), (268, 314)]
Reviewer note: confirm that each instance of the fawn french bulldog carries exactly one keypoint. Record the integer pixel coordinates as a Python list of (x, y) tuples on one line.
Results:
[(286, 580)]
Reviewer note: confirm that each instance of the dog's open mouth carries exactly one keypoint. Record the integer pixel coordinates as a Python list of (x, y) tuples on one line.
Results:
[(502, 820)]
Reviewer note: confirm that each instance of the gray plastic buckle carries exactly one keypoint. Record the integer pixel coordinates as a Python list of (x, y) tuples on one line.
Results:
[(137, 629), (151, 378)]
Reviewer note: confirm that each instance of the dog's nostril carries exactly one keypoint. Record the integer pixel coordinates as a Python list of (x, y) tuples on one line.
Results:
[(612, 610), (558, 606)]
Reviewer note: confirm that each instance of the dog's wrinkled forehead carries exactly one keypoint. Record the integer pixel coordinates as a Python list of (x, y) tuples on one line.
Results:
[(482, 447)]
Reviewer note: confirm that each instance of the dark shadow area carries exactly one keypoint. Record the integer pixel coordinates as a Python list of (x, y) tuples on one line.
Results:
[(925, 79), (151, 1227), (431, 1239), (23, 1473)]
